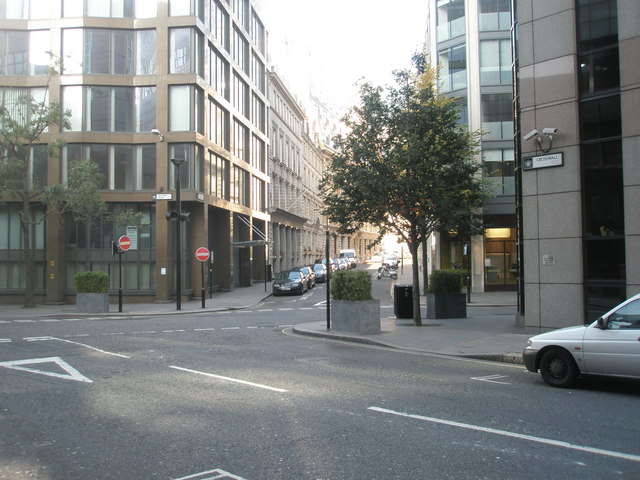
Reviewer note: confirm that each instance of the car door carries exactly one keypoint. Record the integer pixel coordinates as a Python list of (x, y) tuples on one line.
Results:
[(614, 350)]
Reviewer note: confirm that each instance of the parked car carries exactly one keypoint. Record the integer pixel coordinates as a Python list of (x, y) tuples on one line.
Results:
[(608, 346), (390, 261), (289, 281), (376, 257), (309, 275), (321, 272)]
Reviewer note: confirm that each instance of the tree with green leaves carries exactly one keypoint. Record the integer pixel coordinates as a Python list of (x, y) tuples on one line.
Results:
[(406, 165), (25, 117)]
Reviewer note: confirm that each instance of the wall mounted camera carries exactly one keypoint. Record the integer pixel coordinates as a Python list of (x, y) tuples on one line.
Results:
[(531, 134)]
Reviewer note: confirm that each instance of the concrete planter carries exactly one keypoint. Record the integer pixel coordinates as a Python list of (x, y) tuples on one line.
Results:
[(92, 302), (357, 317), (446, 305)]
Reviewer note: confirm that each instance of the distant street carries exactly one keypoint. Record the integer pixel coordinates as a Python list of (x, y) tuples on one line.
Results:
[(236, 395)]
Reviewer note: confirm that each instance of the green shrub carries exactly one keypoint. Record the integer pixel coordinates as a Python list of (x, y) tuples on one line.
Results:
[(352, 285), (91, 282), (445, 281)]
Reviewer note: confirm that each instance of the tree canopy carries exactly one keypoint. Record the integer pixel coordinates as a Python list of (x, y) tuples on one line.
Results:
[(406, 164)]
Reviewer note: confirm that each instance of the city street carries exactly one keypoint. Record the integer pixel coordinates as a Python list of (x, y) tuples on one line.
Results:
[(237, 395)]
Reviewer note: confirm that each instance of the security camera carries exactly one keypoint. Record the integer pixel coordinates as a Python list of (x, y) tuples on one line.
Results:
[(531, 134), (549, 131), (155, 131)]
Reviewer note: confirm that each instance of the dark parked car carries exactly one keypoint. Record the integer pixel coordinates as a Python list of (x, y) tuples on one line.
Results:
[(309, 275), (289, 281), (321, 272)]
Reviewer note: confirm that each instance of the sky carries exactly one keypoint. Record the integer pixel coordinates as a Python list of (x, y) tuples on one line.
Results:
[(342, 42)]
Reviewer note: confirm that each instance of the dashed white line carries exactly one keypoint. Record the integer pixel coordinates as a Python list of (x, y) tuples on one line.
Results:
[(203, 329), (230, 328)]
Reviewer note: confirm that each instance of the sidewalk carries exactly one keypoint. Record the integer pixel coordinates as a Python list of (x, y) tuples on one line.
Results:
[(488, 332)]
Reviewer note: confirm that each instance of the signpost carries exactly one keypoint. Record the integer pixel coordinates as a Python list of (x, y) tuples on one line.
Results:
[(202, 254), (123, 244)]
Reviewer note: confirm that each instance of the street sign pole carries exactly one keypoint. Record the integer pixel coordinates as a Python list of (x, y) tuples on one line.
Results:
[(124, 243), (203, 254)]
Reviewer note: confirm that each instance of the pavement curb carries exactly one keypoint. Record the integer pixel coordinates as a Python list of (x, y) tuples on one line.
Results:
[(512, 358)]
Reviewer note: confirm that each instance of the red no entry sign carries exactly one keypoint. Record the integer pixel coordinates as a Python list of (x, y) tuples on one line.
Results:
[(124, 243), (202, 254)]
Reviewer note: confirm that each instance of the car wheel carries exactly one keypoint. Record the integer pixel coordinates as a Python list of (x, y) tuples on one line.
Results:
[(558, 368)]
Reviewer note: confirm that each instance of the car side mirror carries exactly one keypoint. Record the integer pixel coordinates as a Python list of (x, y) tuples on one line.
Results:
[(601, 323)]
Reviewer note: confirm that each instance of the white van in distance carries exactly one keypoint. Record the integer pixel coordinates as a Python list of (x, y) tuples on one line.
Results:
[(350, 255)]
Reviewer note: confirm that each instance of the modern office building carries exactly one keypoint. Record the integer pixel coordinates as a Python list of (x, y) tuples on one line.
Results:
[(193, 71), (578, 131), (470, 40)]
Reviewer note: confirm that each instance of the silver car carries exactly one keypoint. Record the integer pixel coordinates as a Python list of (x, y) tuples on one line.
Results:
[(609, 346)]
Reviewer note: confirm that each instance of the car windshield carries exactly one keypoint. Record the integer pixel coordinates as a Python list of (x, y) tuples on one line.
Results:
[(284, 276)]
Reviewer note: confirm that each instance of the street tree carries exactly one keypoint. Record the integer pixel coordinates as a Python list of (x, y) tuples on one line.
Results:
[(405, 165), (27, 118)]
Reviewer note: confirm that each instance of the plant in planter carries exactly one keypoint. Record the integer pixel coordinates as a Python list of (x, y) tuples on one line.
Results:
[(353, 309), (444, 296), (92, 292)]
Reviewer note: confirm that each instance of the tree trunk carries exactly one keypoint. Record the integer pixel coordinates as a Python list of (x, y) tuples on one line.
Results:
[(425, 267), (417, 318)]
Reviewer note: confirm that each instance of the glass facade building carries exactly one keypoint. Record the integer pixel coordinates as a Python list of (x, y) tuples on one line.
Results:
[(470, 40), (193, 70)]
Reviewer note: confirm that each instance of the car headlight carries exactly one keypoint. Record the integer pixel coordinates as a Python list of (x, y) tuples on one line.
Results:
[(529, 343)]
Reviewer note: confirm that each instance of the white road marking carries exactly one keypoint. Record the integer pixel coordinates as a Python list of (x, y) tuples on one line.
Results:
[(40, 339), (520, 436), (230, 328), (5, 340), (72, 373), (210, 475), (492, 379), (258, 385), (203, 329)]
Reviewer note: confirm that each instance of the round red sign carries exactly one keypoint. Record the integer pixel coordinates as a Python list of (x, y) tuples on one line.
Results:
[(202, 254), (124, 243)]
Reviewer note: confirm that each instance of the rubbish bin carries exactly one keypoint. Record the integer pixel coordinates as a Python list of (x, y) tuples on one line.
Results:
[(403, 301)]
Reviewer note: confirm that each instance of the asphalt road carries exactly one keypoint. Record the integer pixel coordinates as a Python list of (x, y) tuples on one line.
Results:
[(236, 395)]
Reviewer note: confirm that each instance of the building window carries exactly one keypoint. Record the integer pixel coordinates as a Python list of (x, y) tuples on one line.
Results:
[(186, 108), (497, 116), (240, 186), (109, 52), (219, 126), (495, 62), (240, 51), (123, 167), (240, 141), (498, 167), (258, 157), (113, 9), (110, 109), (240, 95), (14, 52), (191, 171), (186, 51), (495, 15), (453, 68), (20, 102), (12, 267), (219, 176), (450, 19), (27, 9), (219, 23)]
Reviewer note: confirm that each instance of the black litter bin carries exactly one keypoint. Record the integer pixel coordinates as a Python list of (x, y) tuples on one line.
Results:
[(403, 301)]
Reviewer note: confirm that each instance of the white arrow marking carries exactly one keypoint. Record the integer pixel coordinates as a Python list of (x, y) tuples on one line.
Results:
[(491, 379), (72, 373)]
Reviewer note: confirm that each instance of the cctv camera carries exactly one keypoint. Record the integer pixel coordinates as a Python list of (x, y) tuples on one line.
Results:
[(531, 134), (155, 131), (549, 131)]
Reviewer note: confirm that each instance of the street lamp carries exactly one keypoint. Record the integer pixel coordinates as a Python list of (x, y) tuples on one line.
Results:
[(180, 217)]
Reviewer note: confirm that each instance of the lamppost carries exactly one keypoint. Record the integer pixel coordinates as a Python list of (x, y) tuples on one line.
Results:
[(328, 282), (179, 217)]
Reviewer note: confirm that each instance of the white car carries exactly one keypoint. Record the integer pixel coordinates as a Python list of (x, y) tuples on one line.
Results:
[(609, 346)]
